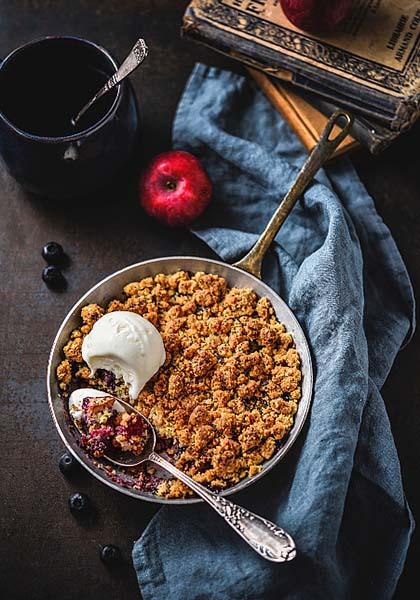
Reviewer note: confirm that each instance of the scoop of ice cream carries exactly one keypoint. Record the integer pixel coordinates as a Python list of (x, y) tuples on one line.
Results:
[(126, 344)]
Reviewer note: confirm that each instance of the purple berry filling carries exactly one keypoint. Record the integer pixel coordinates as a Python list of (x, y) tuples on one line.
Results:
[(107, 377)]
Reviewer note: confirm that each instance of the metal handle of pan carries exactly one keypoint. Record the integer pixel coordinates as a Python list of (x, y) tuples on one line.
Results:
[(325, 147)]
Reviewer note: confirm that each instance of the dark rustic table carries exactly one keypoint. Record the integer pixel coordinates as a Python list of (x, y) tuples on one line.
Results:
[(44, 552)]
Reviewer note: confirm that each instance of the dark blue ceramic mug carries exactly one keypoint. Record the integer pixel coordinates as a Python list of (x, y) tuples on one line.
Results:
[(43, 85)]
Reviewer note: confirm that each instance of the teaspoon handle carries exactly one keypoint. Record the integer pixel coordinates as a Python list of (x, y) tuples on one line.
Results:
[(265, 537), (134, 59)]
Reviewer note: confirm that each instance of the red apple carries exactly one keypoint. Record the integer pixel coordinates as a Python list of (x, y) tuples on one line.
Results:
[(316, 15), (175, 188)]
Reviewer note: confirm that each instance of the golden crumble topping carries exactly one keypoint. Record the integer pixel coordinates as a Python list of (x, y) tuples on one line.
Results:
[(228, 391)]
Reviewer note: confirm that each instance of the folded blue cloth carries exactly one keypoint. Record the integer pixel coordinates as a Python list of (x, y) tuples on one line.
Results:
[(339, 490)]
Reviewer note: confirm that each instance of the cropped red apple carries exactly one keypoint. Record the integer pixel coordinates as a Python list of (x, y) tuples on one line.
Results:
[(316, 16), (175, 188)]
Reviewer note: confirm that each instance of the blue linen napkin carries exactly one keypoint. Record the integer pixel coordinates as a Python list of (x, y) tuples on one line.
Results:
[(339, 490)]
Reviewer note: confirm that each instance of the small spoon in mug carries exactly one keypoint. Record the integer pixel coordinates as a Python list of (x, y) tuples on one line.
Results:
[(265, 537), (133, 60)]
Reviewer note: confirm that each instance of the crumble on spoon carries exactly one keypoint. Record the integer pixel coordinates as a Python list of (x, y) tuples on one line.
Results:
[(105, 425)]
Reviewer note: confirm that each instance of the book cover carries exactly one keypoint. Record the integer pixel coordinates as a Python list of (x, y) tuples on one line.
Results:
[(371, 64)]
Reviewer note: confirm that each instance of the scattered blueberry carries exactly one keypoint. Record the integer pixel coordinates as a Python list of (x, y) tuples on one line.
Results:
[(79, 503), (53, 277), (53, 253), (110, 554), (67, 464)]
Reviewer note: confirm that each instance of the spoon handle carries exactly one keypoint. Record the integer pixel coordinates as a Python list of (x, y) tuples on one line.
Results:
[(266, 538), (134, 59)]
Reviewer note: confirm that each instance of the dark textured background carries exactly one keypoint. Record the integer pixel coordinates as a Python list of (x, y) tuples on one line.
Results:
[(44, 552)]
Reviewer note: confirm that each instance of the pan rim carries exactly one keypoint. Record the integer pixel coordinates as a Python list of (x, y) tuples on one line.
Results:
[(267, 465)]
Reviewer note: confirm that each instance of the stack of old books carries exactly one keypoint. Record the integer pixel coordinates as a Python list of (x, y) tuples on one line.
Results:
[(370, 65)]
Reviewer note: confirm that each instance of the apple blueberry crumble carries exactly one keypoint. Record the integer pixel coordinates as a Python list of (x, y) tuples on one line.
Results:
[(104, 428), (225, 398)]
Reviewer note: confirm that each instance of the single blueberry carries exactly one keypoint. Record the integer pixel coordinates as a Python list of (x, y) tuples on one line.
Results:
[(79, 503), (53, 253), (110, 554), (53, 277), (67, 463)]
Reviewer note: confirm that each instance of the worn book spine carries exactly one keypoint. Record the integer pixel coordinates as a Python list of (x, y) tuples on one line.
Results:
[(228, 26), (306, 121)]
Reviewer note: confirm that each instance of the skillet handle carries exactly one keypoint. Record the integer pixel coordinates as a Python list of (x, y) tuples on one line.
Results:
[(325, 147)]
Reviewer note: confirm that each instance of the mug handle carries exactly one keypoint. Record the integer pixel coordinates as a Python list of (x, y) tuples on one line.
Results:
[(71, 152)]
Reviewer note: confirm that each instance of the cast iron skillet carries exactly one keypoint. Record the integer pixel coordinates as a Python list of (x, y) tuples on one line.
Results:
[(245, 273)]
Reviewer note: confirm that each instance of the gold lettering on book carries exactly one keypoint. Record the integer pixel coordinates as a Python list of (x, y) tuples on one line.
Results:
[(399, 55), (256, 7), (396, 34)]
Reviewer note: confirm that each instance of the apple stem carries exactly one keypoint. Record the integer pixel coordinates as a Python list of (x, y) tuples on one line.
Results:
[(171, 185)]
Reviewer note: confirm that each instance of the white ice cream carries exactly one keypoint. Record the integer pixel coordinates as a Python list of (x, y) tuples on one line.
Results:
[(127, 345)]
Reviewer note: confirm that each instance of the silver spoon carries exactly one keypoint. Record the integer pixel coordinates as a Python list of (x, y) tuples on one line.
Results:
[(265, 537), (133, 60)]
